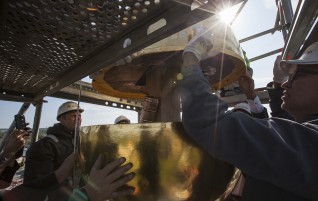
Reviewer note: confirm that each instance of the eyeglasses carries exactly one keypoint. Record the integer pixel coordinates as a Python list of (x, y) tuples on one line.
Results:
[(301, 72)]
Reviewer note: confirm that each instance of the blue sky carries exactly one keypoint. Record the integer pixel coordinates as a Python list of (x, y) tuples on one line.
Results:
[(257, 16)]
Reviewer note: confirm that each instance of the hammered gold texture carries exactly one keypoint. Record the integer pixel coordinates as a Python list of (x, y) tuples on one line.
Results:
[(168, 164)]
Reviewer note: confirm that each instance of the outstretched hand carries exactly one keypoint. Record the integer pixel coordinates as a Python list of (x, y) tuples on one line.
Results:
[(247, 86), (279, 75), (65, 170), (106, 182), (15, 142), (200, 44)]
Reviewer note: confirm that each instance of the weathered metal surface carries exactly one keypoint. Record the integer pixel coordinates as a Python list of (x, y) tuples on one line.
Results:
[(90, 95), (46, 45), (224, 61), (304, 21), (168, 165)]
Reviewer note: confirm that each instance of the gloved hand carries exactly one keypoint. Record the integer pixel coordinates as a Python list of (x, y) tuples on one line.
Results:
[(128, 58), (246, 83), (279, 75), (200, 44), (123, 61)]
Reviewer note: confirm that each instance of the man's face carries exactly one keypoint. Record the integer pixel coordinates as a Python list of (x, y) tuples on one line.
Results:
[(123, 122), (68, 120), (300, 97)]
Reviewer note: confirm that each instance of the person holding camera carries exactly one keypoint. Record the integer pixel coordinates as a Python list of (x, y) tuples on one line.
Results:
[(12, 150)]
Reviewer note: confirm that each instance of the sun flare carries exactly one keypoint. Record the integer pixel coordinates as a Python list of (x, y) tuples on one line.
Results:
[(228, 14)]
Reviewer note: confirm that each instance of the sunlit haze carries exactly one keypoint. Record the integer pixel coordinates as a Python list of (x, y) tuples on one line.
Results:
[(228, 14)]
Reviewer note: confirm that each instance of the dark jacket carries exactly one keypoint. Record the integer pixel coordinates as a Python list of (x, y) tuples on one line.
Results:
[(280, 154), (255, 187), (35, 190), (9, 172), (46, 155), (32, 191)]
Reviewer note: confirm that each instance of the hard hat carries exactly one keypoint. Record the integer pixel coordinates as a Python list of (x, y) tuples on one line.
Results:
[(68, 107), (309, 57), (242, 106), (120, 119)]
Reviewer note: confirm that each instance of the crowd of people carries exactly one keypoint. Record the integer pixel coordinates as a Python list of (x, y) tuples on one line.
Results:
[(50, 161), (277, 154)]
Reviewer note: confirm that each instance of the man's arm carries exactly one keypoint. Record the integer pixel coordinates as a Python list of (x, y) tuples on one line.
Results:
[(260, 148), (37, 189), (8, 164), (248, 87)]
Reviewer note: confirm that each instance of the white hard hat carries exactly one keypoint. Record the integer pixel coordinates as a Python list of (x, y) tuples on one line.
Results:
[(121, 118), (68, 107), (309, 57), (242, 106)]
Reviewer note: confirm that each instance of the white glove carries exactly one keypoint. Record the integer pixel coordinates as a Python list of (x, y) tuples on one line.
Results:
[(200, 44), (279, 75), (127, 59), (123, 61)]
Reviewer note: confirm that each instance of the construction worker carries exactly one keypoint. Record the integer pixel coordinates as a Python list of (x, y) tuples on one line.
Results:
[(46, 155), (278, 156), (122, 120)]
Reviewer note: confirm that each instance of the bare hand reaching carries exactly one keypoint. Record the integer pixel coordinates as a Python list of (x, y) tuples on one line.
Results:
[(65, 170), (247, 86), (15, 142), (106, 182), (279, 75)]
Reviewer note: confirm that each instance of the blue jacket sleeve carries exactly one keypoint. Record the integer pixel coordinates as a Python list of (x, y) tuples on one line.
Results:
[(281, 152)]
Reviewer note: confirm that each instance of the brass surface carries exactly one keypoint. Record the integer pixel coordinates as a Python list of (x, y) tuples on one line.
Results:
[(168, 164), (224, 63)]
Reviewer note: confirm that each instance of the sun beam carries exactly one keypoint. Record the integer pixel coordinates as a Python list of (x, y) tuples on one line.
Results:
[(228, 14)]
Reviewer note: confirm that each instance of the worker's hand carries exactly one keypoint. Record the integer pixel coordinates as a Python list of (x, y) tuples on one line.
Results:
[(109, 181), (246, 83), (200, 44), (279, 75), (65, 170), (123, 61), (247, 86), (128, 58), (15, 142)]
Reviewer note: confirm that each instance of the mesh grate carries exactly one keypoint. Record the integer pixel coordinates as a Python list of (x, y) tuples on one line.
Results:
[(42, 39)]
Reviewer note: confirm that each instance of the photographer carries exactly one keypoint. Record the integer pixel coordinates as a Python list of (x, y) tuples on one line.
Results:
[(12, 150)]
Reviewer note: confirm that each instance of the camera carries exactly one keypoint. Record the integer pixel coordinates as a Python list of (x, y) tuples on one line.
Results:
[(20, 122)]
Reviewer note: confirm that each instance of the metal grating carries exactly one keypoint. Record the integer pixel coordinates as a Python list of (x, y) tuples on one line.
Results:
[(43, 39), (46, 45)]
